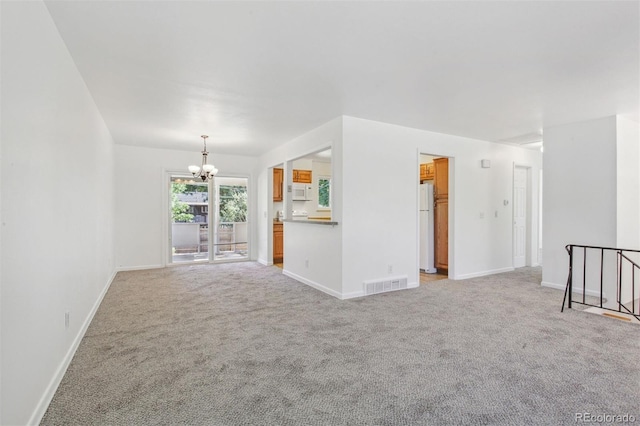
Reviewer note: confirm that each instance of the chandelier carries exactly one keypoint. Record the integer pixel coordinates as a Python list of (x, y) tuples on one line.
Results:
[(206, 171)]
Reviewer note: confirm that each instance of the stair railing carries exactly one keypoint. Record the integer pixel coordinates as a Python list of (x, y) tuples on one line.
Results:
[(627, 270)]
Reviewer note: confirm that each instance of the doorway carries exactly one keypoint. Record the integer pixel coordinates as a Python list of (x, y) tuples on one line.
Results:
[(434, 213), (521, 216), (277, 209), (208, 220)]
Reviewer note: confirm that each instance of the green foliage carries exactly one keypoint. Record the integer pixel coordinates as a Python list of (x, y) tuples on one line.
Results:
[(233, 206), (324, 192), (179, 210), (196, 188)]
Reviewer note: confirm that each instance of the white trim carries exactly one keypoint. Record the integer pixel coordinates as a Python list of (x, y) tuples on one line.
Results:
[(47, 396), (352, 295), (578, 290), (336, 294), (484, 273), (264, 262), (314, 285), (138, 268), (166, 223), (451, 240), (355, 294)]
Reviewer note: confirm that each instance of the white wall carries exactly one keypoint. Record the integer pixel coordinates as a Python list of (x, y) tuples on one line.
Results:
[(375, 192), (58, 208), (321, 245), (380, 207), (142, 200), (580, 195), (628, 183), (381, 176)]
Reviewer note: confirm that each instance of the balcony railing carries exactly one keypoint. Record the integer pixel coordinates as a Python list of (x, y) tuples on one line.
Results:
[(191, 240)]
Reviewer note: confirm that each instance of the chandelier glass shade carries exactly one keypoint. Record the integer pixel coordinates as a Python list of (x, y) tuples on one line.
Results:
[(206, 171)]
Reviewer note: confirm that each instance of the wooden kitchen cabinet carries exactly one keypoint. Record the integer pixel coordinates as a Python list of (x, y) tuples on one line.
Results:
[(431, 171), (278, 178), (427, 171), (441, 214), (302, 176), (278, 242), (441, 242), (441, 178)]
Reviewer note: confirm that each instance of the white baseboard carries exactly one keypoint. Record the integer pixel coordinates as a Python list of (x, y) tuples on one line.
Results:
[(138, 268), (313, 284), (553, 285), (355, 294), (483, 273), (264, 262), (337, 294), (575, 290), (352, 295), (45, 400)]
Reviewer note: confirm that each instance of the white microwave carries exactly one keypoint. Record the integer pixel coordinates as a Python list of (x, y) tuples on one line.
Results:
[(301, 192)]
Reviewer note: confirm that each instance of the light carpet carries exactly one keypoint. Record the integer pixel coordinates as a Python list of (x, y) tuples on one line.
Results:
[(241, 344)]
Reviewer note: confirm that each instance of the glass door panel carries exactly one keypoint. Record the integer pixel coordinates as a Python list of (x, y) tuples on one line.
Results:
[(189, 219), (231, 232)]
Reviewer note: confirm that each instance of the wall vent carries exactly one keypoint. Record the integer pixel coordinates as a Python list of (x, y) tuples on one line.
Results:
[(385, 285)]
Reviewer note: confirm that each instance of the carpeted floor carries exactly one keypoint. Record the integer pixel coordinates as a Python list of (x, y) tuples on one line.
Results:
[(241, 344)]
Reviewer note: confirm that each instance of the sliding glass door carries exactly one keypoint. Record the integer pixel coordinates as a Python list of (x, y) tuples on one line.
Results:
[(189, 232), (231, 232), (208, 220)]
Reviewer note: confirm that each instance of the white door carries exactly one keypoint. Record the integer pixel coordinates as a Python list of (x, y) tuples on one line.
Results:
[(519, 217)]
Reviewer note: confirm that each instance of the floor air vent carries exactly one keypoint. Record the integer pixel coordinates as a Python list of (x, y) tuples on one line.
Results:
[(382, 286)]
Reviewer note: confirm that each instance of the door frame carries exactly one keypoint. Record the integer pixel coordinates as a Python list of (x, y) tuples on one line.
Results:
[(166, 228), (451, 190), (528, 256), (166, 223), (212, 258)]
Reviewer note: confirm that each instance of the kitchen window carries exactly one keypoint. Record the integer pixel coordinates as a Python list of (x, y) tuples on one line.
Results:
[(324, 192)]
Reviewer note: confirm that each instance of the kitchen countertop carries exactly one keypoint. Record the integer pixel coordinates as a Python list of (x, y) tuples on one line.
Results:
[(315, 222)]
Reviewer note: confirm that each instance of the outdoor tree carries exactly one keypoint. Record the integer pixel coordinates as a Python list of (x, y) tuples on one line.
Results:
[(234, 206), (179, 210), (196, 187), (324, 192)]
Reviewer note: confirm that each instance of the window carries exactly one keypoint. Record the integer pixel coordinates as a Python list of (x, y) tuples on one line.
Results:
[(324, 192)]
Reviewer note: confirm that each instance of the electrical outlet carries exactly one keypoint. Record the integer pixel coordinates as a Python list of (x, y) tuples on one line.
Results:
[(66, 320), (390, 269)]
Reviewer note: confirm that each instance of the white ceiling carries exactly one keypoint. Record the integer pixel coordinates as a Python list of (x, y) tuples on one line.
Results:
[(253, 75)]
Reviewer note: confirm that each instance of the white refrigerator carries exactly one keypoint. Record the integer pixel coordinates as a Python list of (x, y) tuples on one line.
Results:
[(426, 228)]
